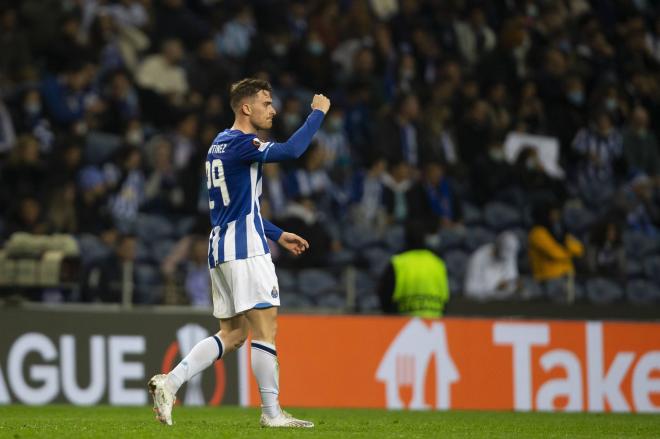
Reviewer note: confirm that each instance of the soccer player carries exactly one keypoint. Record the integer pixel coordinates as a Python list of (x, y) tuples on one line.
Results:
[(243, 280)]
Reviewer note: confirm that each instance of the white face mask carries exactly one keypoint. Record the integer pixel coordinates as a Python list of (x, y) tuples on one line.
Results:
[(135, 137), (497, 154)]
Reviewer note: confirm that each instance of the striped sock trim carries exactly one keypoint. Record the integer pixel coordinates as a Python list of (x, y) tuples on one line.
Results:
[(220, 348), (261, 347)]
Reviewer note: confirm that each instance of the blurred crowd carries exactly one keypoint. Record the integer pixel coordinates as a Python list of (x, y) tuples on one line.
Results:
[(108, 108)]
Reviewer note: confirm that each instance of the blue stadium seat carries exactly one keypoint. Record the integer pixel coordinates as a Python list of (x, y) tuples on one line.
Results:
[(634, 268), (356, 237), (395, 238), (331, 300), (499, 216), (377, 258), (456, 263), (314, 282), (91, 248), (161, 248), (365, 283), (638, 245), (286, 279), (451, 238), (531, 290), (577, 218), (603, 291), (643, 292), (369, 303), (154, 227), (295, 300), (652, 268), (185, 225), (148, 284), (472, 215), (475, 237)]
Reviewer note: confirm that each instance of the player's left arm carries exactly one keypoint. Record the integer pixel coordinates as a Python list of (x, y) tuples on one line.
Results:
[(290, 241)]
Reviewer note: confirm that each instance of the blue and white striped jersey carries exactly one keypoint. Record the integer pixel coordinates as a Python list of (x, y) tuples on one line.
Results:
[(233, 170), (234, 176)]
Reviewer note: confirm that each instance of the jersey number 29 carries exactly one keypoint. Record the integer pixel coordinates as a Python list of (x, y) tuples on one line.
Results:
[(215, 177)]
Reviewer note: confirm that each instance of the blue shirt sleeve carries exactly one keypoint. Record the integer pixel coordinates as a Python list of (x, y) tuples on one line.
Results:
[(251, 149), (271, 230)]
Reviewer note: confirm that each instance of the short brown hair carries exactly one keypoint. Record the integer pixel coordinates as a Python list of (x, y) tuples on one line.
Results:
[(245, 88)]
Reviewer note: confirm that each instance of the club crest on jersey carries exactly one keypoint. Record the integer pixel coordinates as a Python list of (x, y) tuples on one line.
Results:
[(256, 142), (274, 293)]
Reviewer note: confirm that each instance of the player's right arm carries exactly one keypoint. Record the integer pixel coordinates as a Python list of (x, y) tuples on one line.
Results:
[(298, 142)]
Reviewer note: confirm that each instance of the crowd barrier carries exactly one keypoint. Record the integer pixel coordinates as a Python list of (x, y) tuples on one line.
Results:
[(83, 357)]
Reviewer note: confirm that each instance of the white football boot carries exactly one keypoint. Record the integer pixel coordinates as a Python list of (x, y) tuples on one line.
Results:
[(163, 398), (284, 420)]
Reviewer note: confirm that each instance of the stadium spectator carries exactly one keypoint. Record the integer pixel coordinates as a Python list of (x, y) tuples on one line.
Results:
[(112, 278), (442, 199), (492, 271), (605, 254), (415, 281), (403, 199), (640, 146), (600, 151), (163, 73), (552, 251)]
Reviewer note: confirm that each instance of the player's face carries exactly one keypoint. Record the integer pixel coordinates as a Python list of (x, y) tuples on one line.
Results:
[(262, 111)]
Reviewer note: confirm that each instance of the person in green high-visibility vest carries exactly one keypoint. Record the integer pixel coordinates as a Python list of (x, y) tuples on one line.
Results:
[(415, 281)]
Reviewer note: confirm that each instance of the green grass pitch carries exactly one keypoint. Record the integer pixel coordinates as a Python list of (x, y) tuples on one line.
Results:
[(233, 422)]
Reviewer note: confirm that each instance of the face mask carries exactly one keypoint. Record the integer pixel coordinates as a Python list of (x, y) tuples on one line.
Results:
[(335, 124), (134, 137), (611, 104), (291, 120), (279, 49), (33, 108), (576, 97), (315, 47), (497, 154)]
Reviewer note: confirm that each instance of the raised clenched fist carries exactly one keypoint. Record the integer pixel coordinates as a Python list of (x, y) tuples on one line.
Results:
[(320, 102)]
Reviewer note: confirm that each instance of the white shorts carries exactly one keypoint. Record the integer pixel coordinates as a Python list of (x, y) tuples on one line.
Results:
[(243, 284)]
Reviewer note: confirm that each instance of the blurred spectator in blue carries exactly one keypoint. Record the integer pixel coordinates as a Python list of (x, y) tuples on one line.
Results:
[(444, 202), (30, 117), (188, 260), (640, 146), (274, 189), (128, 196), (122, 102), (235, 38), (68, 96), (184, 140), (605, 253), (492, 271), (333, 141), (312, 181), (162, 192), (367, 209), (638, 201), (92, 200), (600, 151)]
